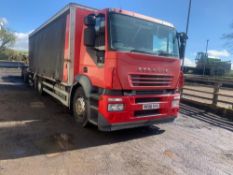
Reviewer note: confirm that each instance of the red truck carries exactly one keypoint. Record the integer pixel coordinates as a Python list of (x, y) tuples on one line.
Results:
[(113, 68)]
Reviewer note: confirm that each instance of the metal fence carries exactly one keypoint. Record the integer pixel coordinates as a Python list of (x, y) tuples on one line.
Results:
[(217, 93), (10, 64)]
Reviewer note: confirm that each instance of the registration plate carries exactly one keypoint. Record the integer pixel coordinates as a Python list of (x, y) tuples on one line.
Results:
[(150, 106)]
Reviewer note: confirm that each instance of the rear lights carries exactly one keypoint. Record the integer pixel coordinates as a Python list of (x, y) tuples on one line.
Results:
[(115, 107)]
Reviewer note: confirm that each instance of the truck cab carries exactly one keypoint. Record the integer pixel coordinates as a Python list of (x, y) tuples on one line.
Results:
[(134, 61)]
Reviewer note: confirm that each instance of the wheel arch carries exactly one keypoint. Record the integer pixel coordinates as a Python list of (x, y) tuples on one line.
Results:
[(80, 81)]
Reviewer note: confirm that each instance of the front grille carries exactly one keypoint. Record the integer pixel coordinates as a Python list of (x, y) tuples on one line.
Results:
[(148, 92), (145, 113), (151, 80)]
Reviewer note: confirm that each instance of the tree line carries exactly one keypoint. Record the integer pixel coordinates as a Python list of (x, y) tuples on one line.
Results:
[(7, 40)]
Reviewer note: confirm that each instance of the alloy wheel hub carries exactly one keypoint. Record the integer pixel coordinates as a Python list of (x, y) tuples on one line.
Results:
[(80, 106)]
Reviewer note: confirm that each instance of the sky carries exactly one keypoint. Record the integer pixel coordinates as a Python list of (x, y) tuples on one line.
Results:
[(209, 19)]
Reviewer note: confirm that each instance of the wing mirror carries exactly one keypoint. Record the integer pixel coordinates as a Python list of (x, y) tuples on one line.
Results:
[(89, 32), (90, 20), (182, 38)]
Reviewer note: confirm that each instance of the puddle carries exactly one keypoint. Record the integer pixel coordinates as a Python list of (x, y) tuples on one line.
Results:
[(20, 152), (55, 144)]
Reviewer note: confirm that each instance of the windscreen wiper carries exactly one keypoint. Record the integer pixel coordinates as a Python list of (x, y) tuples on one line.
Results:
[(140, 51)]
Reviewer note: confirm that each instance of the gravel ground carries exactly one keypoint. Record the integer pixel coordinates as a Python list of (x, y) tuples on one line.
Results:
[(39, 136)]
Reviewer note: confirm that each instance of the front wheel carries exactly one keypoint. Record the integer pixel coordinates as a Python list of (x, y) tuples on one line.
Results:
[(80, 107)]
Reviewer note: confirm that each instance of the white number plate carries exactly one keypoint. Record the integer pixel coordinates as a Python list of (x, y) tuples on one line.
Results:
[(150, 106)]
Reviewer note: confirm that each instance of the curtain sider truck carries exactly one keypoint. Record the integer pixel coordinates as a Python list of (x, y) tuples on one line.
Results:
[(113, 68)]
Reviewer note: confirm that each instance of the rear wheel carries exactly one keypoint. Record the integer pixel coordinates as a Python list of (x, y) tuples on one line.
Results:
[(80, 107), (25, 76), (38, 86)]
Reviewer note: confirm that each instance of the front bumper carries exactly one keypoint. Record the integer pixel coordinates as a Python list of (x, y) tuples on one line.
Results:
[(133, 114), (104, 125)]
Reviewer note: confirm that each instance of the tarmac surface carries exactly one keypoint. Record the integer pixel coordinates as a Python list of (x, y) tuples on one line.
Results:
[(39, 136)]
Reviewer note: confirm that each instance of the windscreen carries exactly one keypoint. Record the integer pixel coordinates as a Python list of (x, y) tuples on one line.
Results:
[(136, 35)]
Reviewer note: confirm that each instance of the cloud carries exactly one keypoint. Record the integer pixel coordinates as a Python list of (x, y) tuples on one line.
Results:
[(189, 62), (218, 53), (3, 21), (21, 42)]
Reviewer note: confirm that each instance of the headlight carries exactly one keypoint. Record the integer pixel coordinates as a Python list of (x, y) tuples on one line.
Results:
[(175, 103), (115, 107), (115, 99)]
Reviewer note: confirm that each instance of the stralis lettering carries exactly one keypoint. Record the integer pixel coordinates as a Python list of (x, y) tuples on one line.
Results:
[(152, 69)]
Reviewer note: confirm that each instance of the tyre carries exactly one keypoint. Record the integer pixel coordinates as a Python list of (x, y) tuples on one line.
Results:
[(38, 86), (35, 80), (30, 80), (80, 107), (25, 78), (24, 75)]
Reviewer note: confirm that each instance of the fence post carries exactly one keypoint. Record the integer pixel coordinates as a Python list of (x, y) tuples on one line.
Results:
[(216, 91)]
